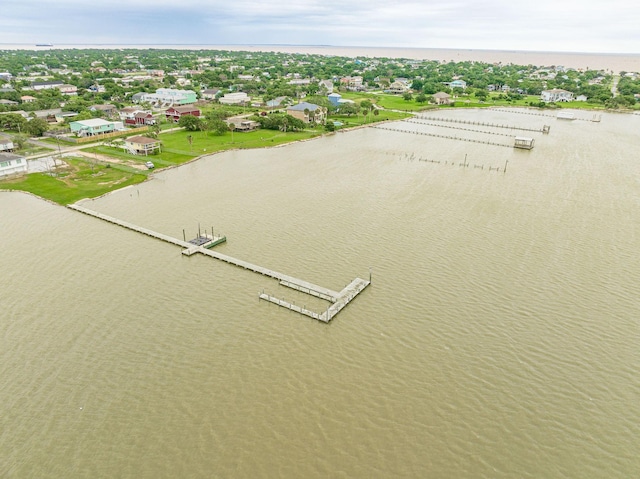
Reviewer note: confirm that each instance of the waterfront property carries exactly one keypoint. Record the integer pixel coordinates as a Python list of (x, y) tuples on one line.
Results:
[(242, 124), (11, 164), (201, 244), (94, 126), (307, 112), (555, 95), (441, 98), (141, 145)]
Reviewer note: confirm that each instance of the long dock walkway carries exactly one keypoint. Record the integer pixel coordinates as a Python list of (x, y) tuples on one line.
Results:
[(130, 226), (480, 123), (339, 299), (449, 137)]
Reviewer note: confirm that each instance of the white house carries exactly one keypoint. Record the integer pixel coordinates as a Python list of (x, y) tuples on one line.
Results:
[(236, 98), (6, 145), (555, 95), (210, 93), (11, 164), (458, 84), (166, 97)]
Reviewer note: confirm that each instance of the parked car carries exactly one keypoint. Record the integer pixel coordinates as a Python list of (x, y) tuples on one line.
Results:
[(150, 165)]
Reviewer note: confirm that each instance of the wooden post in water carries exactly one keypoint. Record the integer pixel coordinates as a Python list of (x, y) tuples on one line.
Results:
[(505, 166), (184, 235)]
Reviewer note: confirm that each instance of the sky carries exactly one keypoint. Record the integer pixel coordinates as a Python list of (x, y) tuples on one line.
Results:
[(611, 26)]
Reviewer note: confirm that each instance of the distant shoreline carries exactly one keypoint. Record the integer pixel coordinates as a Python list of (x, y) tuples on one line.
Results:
[(615, 62)]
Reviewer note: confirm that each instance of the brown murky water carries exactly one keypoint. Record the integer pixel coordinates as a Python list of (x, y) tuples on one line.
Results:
[(499, 337)]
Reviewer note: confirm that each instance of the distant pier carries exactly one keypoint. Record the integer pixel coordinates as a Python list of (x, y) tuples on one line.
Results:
[(339, 299)]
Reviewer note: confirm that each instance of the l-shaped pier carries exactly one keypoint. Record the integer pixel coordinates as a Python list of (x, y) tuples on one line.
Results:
[(339, 299)]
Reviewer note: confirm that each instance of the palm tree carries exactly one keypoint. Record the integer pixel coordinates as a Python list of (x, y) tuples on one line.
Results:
[(232, 127)]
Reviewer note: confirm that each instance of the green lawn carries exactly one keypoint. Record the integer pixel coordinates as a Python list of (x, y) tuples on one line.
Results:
[(176, 148), (203, 142), (75, 182), (383, 115)]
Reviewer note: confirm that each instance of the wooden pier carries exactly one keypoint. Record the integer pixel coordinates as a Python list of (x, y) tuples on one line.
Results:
[(338, 299), (480, 123), (339, 302), (435, 135)]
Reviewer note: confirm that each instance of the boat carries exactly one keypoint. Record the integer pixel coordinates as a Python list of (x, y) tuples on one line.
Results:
[(44, 44)]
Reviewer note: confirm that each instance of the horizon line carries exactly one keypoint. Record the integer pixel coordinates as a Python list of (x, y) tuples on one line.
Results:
[(132, 44)]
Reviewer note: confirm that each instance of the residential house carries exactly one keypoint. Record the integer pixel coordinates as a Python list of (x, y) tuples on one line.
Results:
[(242, 124), (556, 95), (139, 145), (138, 97), (63, 115), (581, 98), (441, 98), (6, 145), (97, 88), (22, 113), (237, 98), (107, 110), (166, 97), (276, 102), (397, 87), (8, 102), (334, 99), (27, 99), (316, 113), (144, 118), (46, 85), (210, 93), (354, 83), (68, 89), (11, 164), (49, 115), (176, 112), (458, 84), (299, 81), (326, 85), (95, 126), (128, 113)]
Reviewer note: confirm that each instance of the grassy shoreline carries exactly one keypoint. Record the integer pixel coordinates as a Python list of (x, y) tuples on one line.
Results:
[(102, 169)]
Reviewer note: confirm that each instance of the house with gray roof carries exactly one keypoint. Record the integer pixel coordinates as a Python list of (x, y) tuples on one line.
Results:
[(316, 113), (11, 164)]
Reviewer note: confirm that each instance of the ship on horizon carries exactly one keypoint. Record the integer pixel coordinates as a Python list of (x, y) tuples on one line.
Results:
[(44, 44)]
